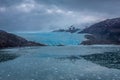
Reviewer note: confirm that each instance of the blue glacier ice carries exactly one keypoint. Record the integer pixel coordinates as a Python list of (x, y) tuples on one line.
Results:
[(54, 38)]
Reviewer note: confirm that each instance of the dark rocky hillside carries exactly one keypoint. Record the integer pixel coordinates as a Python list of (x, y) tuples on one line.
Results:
[(71, 29), (11, 40), (105, 32)]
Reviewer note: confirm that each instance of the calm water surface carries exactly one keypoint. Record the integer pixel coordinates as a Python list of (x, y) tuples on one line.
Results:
[(53, 63)]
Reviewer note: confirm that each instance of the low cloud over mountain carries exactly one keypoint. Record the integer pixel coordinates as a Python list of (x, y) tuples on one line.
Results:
[(44, 15)]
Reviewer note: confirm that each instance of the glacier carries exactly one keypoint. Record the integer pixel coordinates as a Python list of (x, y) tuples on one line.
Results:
[(54, 38)]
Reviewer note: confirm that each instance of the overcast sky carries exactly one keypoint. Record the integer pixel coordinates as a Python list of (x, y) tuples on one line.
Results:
[(45, 15)]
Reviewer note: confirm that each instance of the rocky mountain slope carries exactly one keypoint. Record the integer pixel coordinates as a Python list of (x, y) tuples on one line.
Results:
[(11, 40), (71, 29), (104, 32)]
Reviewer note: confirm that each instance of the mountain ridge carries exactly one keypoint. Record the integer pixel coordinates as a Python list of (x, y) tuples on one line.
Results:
[(104, 32), (12, 40)]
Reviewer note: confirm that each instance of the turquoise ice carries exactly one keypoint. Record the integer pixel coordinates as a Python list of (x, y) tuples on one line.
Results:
[(54, 38)]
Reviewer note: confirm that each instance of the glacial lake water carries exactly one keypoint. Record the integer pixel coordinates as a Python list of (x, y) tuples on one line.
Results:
[(58, 63)]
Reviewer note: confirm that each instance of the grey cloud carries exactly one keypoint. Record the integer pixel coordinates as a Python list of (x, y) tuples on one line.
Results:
[(33, 15), (107, 6), (8, 3)]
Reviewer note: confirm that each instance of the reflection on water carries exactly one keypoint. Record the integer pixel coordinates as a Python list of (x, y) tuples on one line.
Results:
[(62, 63), (4, 56), (106, 59)]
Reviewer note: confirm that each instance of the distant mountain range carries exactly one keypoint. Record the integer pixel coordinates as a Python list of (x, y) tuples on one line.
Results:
[(104, 32), (71, 29)]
